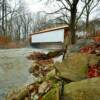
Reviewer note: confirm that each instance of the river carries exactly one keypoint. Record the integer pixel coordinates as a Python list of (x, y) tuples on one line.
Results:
[(14, 68)]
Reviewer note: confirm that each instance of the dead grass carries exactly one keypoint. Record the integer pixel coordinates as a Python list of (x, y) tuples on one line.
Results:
[(6, 42)]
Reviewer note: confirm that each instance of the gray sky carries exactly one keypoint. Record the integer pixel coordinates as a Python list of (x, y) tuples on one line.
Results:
[(39, 5), (35, 6)]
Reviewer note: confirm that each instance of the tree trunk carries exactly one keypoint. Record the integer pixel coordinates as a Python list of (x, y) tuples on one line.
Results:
[(72, 22), (73, 36), (3, 19), (87, 22), (19, 33)]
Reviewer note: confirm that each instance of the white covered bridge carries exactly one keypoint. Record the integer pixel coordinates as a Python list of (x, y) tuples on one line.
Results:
[(49, 38)]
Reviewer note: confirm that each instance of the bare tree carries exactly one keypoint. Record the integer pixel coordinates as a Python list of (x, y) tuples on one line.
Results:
[(5, 11), (3, 18), (40, 21), (26, 19), (90, 8), (69, 10)]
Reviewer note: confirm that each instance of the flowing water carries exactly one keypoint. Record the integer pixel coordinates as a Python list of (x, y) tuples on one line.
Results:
[(14, 69)]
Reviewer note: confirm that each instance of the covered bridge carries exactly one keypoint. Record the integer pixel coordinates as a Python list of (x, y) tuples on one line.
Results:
[(52, 38)]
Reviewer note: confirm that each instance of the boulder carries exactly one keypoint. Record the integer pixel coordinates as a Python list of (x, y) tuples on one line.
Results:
[(88, 89), (93, 59), (74, 67)]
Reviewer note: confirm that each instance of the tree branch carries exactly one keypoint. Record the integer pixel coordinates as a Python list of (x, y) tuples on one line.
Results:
[(9, 13), (64, 14), (65, 6), (55, 11), (95, 6), (83, 10), (68, 2), (61, 19)]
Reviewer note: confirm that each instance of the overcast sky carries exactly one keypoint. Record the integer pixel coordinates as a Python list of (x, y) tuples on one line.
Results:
[(39, 5), (35, 6)]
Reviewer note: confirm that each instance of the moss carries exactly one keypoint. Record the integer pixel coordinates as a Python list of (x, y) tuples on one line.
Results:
[(93, 59), (74, 67), (83, 90), (53, 94)]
